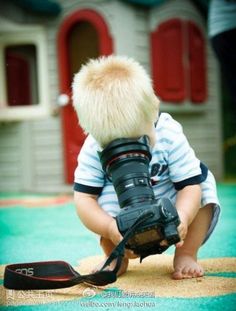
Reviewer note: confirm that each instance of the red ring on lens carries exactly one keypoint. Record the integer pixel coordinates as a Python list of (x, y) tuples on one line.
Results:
[(126, 155)]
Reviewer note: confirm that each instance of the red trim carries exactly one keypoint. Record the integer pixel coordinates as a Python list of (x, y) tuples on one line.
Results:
[(105, 48), (35, 201)]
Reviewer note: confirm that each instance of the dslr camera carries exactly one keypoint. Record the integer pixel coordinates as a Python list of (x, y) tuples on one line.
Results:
[(126, 164)]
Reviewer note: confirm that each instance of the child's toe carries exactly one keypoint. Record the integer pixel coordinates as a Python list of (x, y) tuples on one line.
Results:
[(177, 274)]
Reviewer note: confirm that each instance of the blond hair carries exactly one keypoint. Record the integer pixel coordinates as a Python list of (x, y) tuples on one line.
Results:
[(113, 98)]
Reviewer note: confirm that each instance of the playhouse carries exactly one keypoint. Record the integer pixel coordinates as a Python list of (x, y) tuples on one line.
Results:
[(42, 45)]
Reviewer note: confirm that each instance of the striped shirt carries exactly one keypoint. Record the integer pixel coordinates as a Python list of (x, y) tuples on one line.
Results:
[(173, 166)]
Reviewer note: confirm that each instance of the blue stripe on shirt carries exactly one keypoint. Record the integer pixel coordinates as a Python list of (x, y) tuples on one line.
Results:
[(182, 156), (92, 156), (166, 140)]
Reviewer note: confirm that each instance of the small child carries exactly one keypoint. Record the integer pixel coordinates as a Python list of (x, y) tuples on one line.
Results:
[(114, 98)]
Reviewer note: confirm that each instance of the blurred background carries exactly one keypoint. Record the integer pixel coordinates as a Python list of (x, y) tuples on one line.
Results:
[(43, 43)]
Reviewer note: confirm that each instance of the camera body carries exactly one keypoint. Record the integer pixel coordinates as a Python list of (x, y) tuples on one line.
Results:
[(162, 226), (126, 163)]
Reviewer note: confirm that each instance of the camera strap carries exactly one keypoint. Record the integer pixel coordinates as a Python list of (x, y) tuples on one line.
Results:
[(60, 274)]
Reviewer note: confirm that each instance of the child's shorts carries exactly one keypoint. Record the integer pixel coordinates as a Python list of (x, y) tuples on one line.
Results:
[(209, 196)]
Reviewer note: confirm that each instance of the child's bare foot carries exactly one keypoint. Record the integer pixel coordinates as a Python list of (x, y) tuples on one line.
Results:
[(186, 267), (123, 267)]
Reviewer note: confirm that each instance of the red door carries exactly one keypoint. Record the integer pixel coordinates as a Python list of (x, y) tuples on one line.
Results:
[(82, 35)]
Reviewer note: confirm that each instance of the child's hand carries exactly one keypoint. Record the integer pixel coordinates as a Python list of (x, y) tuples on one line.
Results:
[(113, 233), (115, 236), (182, 230)]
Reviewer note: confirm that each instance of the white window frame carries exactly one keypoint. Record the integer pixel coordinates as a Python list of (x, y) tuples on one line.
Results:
[(22, 35)]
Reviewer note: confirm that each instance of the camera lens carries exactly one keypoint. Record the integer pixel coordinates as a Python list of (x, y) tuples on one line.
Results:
[(126, 163)]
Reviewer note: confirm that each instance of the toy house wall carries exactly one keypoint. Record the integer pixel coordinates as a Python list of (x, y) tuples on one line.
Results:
[(203, 129), (31, 156), (32, 151)]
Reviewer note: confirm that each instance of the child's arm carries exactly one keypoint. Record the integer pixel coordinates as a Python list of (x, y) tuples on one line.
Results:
[(187, 204), (95, 218)]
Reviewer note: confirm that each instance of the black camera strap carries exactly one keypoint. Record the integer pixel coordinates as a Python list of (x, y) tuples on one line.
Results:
[(60, 274)]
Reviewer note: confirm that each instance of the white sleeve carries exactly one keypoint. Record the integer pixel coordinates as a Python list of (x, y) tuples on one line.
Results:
[(184, 167), (89, 176), (183, 163)]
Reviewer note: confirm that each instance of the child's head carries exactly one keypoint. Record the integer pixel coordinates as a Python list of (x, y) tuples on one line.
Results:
[(114, 98)]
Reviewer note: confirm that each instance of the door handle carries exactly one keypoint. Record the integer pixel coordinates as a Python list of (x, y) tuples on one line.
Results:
[(63, 100)]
